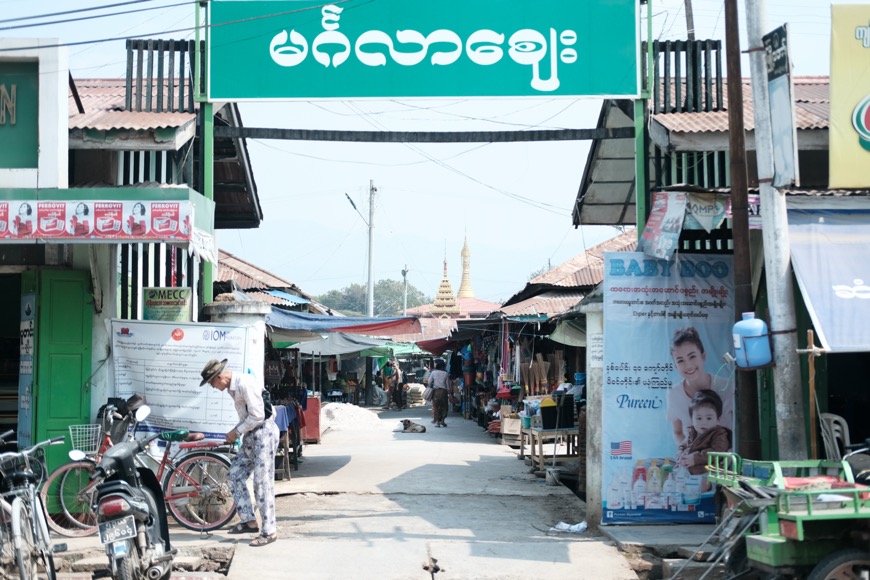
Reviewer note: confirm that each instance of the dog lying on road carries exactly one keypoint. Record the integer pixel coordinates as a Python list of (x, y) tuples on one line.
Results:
[(411, 427)]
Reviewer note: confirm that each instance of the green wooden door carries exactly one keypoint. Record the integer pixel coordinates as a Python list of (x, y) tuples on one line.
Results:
[(62, 366)]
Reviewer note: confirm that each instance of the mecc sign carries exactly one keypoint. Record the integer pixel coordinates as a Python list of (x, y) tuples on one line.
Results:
[(276, 50)]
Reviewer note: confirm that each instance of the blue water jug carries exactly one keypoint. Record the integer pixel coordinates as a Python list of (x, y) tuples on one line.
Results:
[(751, 342)]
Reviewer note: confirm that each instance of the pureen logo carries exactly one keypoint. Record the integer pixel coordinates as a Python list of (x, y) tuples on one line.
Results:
[(859, 290), (861, 122)]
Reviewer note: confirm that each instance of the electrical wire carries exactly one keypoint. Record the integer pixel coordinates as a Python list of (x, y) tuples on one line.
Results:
[(67, 20), (187, 29), (75, 11)]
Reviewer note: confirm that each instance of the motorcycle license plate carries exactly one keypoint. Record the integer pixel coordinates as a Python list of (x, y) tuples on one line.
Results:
[(115, 530)]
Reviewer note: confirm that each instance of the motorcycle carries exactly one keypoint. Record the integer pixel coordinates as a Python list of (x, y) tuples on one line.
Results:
[(130, 510)]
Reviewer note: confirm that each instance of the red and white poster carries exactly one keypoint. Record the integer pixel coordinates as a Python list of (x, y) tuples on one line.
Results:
[(93, 219), (107, 218), (4, 218), (136, 224), (23, 223), (81, 220), (165, 218), (51, 218)]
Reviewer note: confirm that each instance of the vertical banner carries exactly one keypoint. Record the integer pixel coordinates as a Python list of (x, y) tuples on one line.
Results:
[(781, 105), (25, 370), (849, 132), (163, 361), (661, 235), (668, 396)]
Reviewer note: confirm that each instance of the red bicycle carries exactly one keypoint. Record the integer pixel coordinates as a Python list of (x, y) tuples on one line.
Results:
[(194, 480)]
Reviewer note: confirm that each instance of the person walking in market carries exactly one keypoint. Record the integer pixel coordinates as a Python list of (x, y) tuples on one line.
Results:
[(439, 382), (257, 454), (393, 385)]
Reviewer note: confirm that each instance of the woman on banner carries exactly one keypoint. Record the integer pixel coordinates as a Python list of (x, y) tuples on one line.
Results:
[(689, 357)]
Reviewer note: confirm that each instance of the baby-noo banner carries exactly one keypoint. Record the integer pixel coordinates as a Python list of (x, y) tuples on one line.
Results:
[(304, 49), (668, 396)]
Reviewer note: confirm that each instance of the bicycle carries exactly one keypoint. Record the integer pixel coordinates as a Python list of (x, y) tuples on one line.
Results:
[(194, 482), (25, 514), (66, 492), (195, 487)]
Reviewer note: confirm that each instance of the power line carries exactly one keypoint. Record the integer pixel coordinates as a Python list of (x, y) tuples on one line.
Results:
[(76, 11), (187, 29), (66, 20)]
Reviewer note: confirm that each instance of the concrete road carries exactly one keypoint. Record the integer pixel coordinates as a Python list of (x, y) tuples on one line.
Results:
[(368, 502)]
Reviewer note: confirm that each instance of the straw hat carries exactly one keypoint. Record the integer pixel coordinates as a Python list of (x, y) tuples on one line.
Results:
[(212, 369)]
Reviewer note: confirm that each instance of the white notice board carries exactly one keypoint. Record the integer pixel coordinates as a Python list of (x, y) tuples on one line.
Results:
[(163, 361)]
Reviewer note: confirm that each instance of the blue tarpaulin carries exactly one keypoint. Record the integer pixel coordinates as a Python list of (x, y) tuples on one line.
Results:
[(829, 253), (287, 296), (302, 322)]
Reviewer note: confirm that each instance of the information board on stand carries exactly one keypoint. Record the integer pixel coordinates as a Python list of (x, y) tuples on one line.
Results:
[(163, 361)]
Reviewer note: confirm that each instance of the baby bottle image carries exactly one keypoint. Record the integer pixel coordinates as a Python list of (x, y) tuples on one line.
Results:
[(669, 491), (614, 494), (667, 470), (654, 478), (638, 486)]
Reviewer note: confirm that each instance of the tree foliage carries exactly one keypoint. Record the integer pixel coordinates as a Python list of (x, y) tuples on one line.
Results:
[(388, 298)]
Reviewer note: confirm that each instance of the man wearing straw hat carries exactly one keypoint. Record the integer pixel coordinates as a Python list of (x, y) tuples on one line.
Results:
[(257, 454)]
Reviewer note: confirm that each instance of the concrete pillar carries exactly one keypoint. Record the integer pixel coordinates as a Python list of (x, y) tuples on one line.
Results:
[(594, 388), (239, 313), (244, 313)]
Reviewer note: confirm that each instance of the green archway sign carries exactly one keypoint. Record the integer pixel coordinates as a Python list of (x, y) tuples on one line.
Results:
[(299, 49)]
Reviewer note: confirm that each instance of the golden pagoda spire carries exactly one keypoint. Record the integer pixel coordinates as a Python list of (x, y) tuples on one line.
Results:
[(465, 290), (445, 303)]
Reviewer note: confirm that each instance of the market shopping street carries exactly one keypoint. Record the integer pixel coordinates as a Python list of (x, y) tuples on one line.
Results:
[(372, 503)]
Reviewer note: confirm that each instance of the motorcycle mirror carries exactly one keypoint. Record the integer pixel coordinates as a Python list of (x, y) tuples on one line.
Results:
[(142, 413), (76, 455)]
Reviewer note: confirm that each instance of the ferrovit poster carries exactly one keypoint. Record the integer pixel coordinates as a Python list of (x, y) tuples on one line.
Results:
[(667, 325), (163, 361)]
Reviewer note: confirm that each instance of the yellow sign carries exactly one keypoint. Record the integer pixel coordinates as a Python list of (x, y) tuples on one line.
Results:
[(849, 125)]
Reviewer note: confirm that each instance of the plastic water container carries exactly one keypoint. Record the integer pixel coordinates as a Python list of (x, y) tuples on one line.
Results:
[(751, 342), (580, 379)]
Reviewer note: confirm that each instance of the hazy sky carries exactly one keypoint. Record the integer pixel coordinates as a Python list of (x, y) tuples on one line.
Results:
[(512, 201)]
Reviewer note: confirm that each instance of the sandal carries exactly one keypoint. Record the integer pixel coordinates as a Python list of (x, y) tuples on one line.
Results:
[(244, 528), (264, 540)]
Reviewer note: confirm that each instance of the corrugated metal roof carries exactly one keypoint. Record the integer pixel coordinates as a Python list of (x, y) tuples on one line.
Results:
[(103, 102), (548, 304), (586, 269), (579, 274), (250, 277), (812, 109)]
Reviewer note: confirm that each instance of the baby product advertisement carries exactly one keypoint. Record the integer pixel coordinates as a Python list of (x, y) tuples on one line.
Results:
[(668, 394)]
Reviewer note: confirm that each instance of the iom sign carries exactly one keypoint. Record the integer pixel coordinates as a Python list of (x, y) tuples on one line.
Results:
[(273, 49)]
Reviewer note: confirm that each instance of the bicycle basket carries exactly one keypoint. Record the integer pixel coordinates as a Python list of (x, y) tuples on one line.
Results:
[(17, 471), (85, 438)]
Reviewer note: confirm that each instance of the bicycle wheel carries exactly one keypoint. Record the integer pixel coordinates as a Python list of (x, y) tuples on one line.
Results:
[(43, 540), (7, 551), (67, 496), (197, 492), (26, 552)]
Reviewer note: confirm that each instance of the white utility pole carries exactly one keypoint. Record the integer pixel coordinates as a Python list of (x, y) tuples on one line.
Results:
[(405, 298), (370, 291), (787, 390)]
